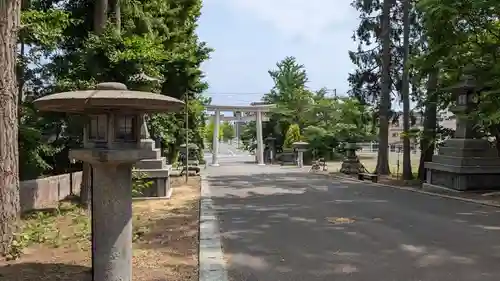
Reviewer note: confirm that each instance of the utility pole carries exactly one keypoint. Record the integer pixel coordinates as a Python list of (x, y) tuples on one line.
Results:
[(186, 117)]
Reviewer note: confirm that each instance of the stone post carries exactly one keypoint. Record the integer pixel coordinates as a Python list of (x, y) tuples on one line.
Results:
[(215, 146), (260, 141)]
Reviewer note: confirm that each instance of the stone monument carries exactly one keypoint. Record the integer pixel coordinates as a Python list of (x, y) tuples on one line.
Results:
[(111, 143), (351, 163), (154, 168), (300, 147), (464, 162)]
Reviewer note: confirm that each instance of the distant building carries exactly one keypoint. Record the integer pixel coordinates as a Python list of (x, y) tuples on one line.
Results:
[(445, 119)]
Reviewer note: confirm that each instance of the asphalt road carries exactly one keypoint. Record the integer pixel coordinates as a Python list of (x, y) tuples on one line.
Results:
[(282, 224)]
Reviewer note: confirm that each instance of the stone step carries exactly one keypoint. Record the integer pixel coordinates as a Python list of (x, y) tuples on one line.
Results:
[(152, 164), (467, 152), (467, 143), (148, 144), (153, 154), (466, 161)]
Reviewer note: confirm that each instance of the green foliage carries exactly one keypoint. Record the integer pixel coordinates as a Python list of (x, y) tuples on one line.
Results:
[(140, 183), (41, 228), (209, 133), (156, 38), (323, 119), (227, 130), (248, 135), (292, 135), (463, 37)]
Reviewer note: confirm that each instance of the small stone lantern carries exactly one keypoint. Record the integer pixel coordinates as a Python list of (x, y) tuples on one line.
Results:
[(191, 152), (300, 147), (351, 163), (111, 144), (271, 145)]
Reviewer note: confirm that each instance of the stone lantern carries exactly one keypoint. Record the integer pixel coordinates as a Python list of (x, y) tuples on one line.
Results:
[(192, 153), (192, 150), (111, 144), (300, 147), (351, 163), (271, 145), (464, 162)]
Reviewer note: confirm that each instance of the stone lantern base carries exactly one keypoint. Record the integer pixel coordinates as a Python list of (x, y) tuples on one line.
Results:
[(351, 165), (464, 165)]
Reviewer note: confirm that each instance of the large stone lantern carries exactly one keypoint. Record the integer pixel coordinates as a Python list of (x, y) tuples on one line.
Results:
[(111, 144), (300, 147), (464, 162)]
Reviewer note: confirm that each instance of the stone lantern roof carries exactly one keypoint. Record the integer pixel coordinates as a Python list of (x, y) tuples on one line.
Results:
[(108, 96)]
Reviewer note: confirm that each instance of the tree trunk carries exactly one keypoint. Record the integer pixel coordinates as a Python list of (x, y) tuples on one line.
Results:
[(385, 98), (9, 152), (86, 186), (407, 173), (100, 19), (428, 141), (116, 14), (100, 16)]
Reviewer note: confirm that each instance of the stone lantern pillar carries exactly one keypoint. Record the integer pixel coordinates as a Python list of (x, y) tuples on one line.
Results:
[(464, 162), (300, 147), (112, 145)]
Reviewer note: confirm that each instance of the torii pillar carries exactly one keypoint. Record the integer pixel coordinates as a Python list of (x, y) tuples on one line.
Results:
[(260, 141), (215, 144)]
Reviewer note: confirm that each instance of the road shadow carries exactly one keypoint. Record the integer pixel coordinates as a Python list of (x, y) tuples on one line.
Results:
[(44, 272), (292, 225)]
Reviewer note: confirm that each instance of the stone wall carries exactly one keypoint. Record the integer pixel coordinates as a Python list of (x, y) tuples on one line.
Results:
[(47, 192)]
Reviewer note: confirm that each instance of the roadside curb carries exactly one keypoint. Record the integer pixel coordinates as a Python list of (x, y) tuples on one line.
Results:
[(212, 266), (474, 201)]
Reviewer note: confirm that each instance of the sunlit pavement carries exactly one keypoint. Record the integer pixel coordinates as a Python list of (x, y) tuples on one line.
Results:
[(284, 224)]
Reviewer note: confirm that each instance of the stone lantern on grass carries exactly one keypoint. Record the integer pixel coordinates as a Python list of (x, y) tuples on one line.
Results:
[(111, 144), (300, 147)]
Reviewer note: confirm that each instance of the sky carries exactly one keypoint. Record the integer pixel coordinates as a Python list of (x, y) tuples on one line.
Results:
[(251, 36)]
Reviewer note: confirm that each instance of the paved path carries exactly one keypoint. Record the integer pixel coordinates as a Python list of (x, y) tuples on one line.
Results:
[(281, 224), (230, 155)]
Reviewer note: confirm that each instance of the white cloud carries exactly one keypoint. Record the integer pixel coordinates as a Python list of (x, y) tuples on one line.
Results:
[(307, 19)]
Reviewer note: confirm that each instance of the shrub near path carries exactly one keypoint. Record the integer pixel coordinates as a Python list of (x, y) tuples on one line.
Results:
[(55, 245)]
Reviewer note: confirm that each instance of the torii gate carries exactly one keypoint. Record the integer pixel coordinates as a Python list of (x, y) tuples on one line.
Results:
[(257, 108)]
